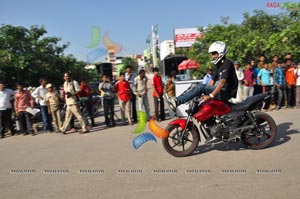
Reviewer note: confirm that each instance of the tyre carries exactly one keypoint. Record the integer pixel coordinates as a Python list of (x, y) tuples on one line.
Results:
[(180, 148), (262, 136)]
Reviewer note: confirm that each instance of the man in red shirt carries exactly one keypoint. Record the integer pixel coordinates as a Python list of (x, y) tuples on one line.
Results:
[(123, 91), (86, 100), (249, 81), (23, 100), (291, 83), (158, 91)]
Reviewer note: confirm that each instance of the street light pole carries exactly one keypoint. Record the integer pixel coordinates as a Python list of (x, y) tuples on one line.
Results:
[(154, 59)]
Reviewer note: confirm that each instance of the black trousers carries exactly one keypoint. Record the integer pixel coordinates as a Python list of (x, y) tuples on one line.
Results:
[(6, 121), (3, 119), (133, 107), (291, 93), (25, 119), (108, 105), (257, 89), (159, 111), (87, 110), (9, 121), (264, 90)]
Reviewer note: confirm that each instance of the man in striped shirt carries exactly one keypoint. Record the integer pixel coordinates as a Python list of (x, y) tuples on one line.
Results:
[(280, 83)]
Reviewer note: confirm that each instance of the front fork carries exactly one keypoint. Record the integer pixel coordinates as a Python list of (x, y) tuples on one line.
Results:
[(252, 118), (185, 127)]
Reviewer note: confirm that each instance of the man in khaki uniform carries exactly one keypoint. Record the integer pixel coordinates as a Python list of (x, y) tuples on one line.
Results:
[(71, 88)]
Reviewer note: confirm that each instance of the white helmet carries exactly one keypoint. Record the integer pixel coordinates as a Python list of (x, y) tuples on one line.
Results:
[(219, 47)]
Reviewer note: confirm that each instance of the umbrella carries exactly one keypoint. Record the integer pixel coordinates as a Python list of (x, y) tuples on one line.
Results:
[(188, 64)]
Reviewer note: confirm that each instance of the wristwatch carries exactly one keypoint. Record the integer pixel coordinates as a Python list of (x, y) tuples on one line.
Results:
[(211, 95)]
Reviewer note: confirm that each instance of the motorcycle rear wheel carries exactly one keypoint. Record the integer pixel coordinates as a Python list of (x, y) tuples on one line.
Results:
[(264, 135), (181, 148)]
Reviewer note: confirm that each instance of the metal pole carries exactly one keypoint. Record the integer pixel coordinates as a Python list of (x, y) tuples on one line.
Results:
[(153, 47)]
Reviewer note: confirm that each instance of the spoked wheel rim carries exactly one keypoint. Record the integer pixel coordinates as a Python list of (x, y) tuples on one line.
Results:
[(175, 141), (263, 135), (181, 147)]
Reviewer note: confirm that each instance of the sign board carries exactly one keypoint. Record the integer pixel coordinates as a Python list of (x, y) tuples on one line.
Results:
[(186, 37)]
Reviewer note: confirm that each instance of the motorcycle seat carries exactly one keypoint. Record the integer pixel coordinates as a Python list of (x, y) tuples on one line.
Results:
[(245, 105)]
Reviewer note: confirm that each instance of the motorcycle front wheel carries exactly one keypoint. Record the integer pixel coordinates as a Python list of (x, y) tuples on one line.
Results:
[(177, 147)]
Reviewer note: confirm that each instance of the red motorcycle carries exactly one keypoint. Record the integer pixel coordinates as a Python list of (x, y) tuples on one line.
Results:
[(216, 119)]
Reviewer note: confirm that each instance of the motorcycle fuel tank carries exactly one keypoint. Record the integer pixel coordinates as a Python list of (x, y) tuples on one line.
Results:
[(211, 108)]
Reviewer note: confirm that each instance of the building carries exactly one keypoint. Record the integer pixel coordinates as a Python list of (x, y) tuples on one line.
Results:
[(167, 47), (111, 57)]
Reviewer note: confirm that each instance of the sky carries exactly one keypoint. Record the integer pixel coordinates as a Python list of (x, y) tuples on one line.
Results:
[(128, 22)]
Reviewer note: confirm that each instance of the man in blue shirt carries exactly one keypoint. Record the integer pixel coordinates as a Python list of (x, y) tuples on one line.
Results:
[(264, 79), (207, 77)]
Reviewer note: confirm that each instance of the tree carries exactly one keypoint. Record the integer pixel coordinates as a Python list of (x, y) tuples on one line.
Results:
[(259, 33), (27, 54), (128, 61)]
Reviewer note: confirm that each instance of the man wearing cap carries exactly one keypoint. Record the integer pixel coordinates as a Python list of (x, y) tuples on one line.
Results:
[(40, 94), (52, 100)]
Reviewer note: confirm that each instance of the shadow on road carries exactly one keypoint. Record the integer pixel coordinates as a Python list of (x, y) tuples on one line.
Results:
[(283, 136)]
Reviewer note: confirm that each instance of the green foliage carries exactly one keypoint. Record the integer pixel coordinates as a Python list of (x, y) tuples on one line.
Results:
[(259, 33), (127, 61), (27, 54)]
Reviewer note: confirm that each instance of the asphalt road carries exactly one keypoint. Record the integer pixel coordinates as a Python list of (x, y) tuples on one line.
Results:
[(104, 164)]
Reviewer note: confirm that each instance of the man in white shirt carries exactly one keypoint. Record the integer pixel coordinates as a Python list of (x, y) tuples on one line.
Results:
[(129, 76), (40, 95), (240, 75), (6, 96), (140, 90)]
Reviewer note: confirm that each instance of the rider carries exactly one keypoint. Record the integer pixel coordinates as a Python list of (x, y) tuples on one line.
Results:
[(223, 85)]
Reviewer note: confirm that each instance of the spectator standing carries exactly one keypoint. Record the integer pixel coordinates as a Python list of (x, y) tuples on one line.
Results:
[(257, 86), (170, 92), (73, 129), (297, 75), (6, 98), (262, 60), (124, 94), (129, 76), (208, 76), (40, 95), (106, 87), (249, 81), (280, 83), (86, 100), (240, 75), (291, 83), (274, 63), (264, 78), (158, 89), (140, 90), (71, 88), (52, 100), (23, 100), (288, 56)]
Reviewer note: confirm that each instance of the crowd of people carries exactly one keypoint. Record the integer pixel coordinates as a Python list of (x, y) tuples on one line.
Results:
[(282, 76), (130, 89)]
